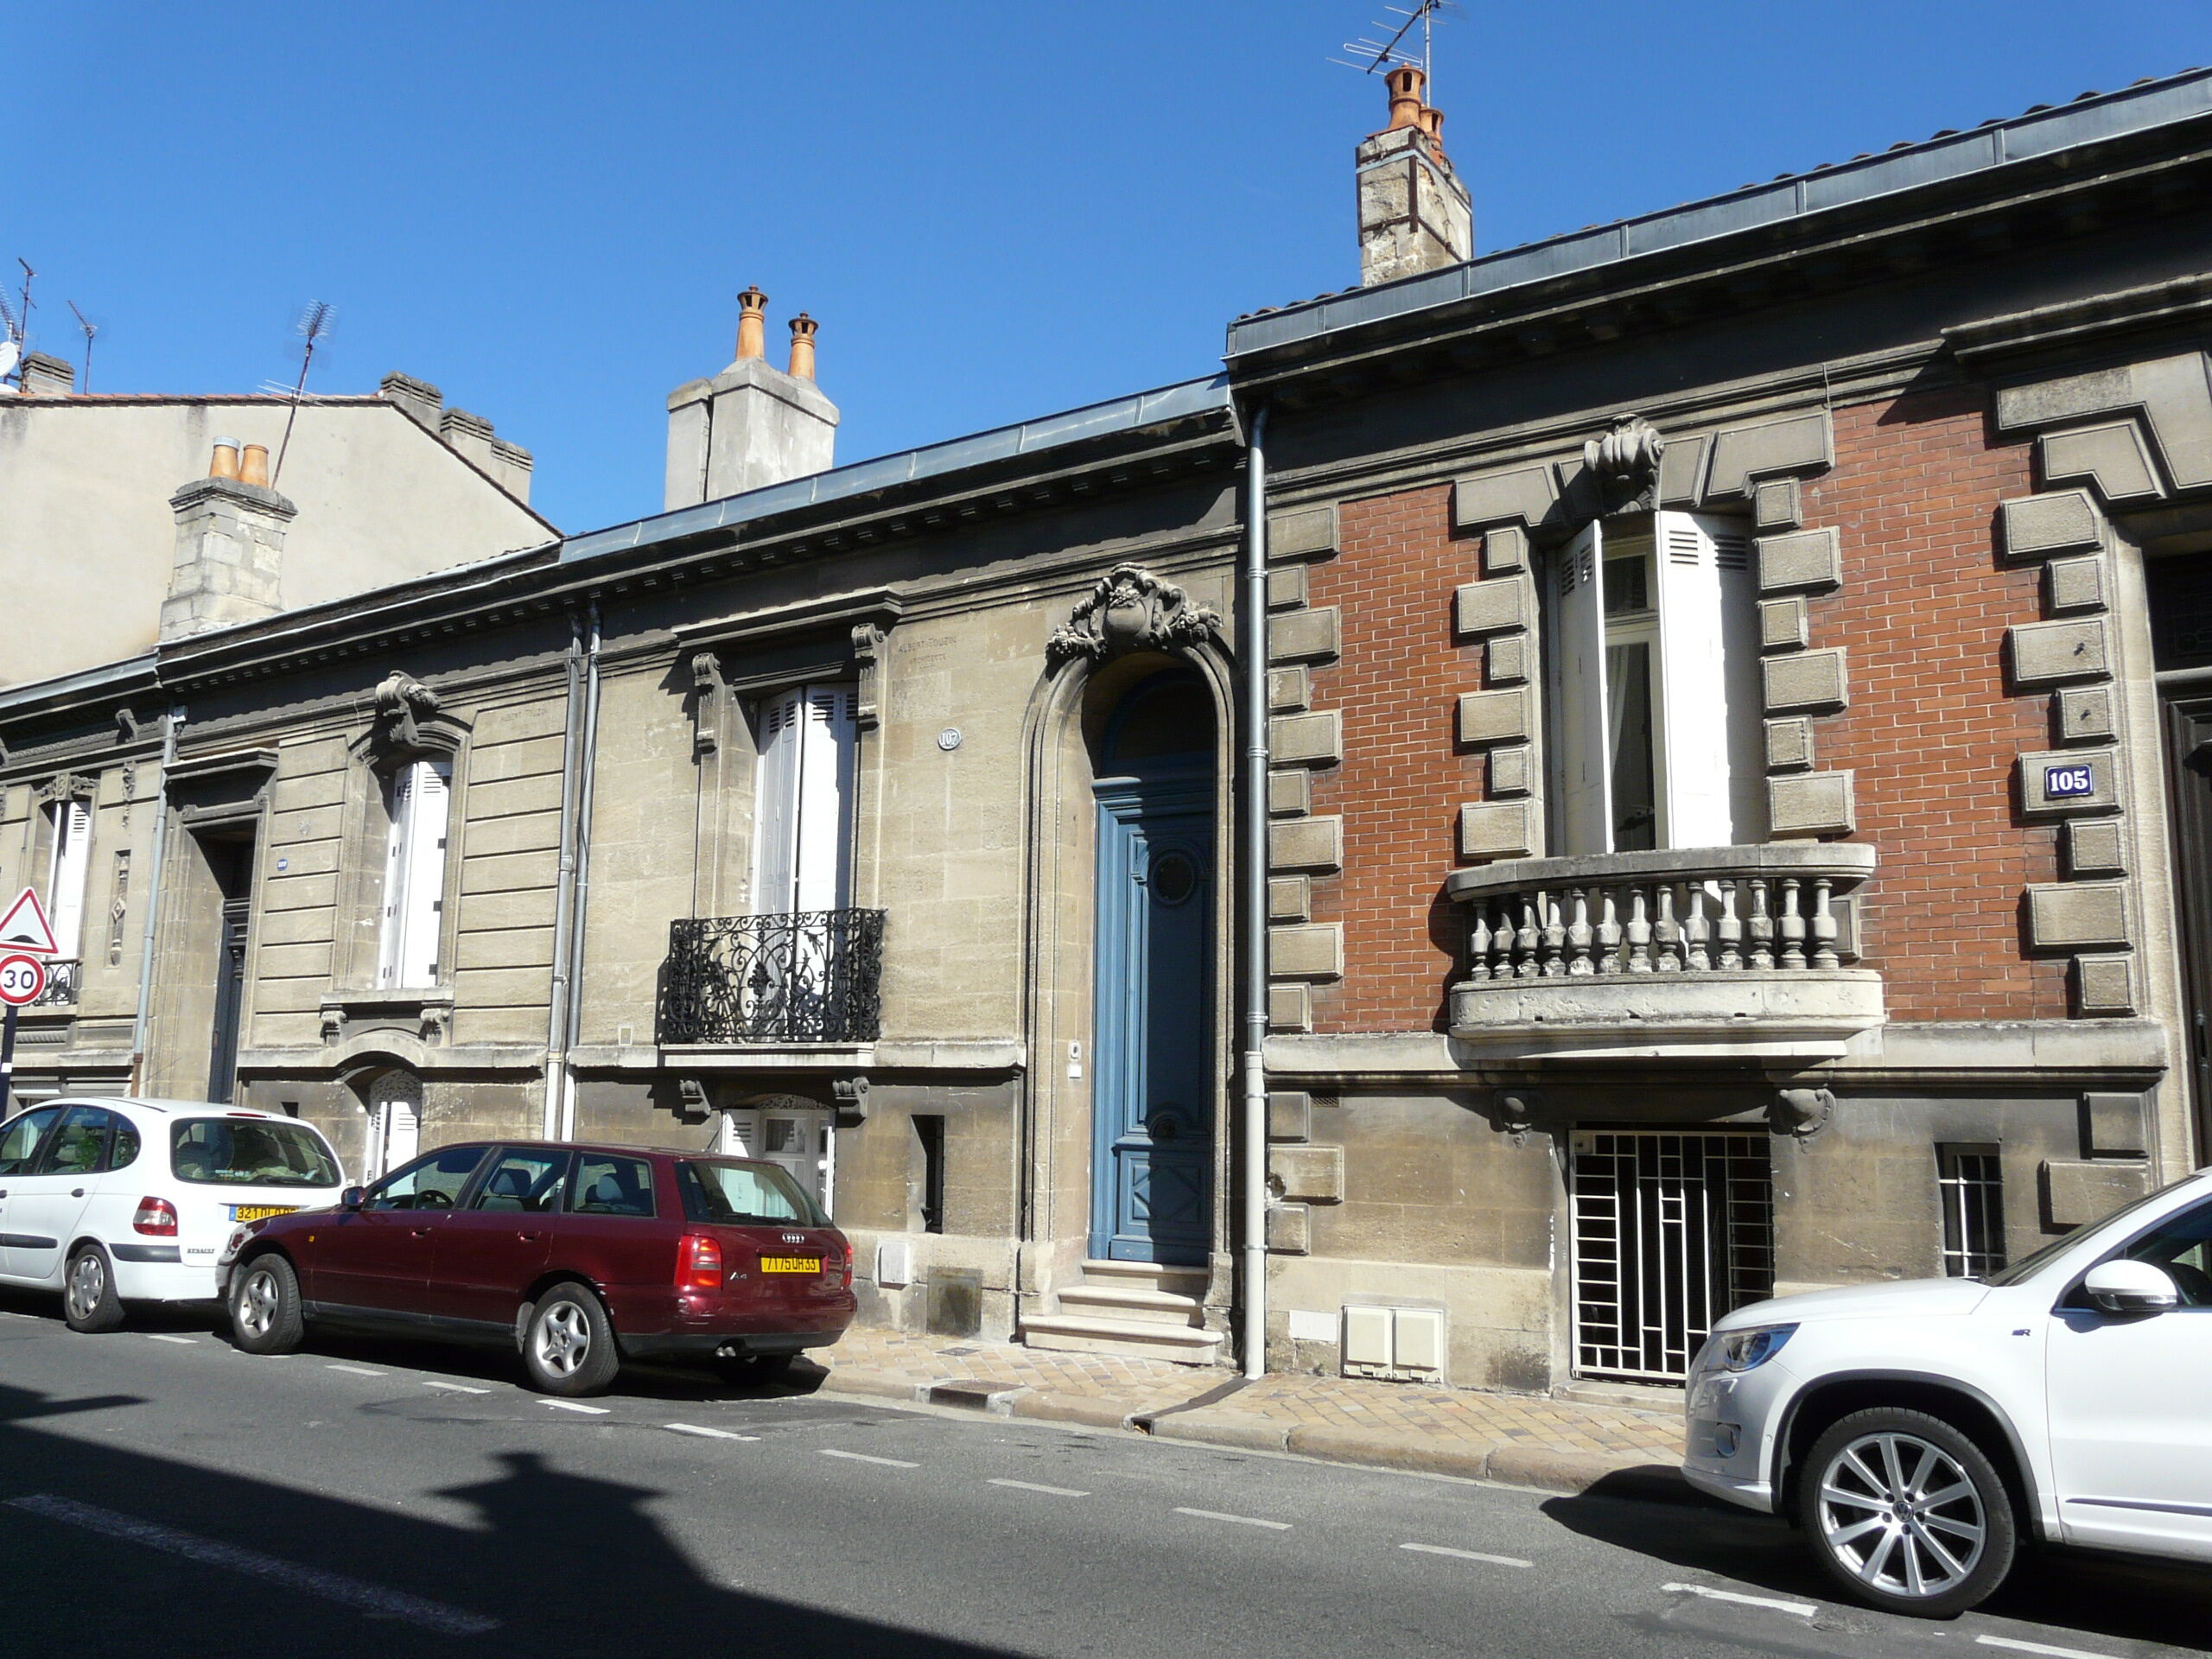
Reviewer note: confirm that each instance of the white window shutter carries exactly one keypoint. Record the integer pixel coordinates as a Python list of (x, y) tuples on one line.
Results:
[(399, 796), (423, 915), (776, 802), (829, 747), (65, 889), (1581, 760), (1709, 738)]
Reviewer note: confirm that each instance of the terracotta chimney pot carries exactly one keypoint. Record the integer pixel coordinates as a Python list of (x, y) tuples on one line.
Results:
[(751, 324), (803, 327), (225, 463), (1432, 123), (253, 465), (1405, 83)]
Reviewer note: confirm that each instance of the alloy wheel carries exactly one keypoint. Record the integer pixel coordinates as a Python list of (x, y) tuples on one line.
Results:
[(88, 1284), (256, 1309), (1902, 1516), (563, 1339)]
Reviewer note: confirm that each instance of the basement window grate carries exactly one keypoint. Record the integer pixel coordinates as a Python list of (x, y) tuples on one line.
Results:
[(1972, 1182)]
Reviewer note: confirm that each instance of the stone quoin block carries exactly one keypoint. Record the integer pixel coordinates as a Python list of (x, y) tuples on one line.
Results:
[(2104, 987), (2085, 714), (1306, 844), (1287, 587), (1290, 897), (1309, 740), (1290, 1008), (1303, 636), (1775, 505), (2076, 1194), (1515, 496), (2112, 457), (2068, 915), (1506, 659), (1796, 444), (1812, 804), (1314, 950), (1303, 533), (1289, 1229), (1289, 793), (1288, 689), (1511, 772), (2049, 779), (2076, 584), (2036, 526), (1307, 1174), (1803, 558), (1505, 549), (1810, 679), (2044, 654), (1290, 1115), (1496, 716), (1790, 744), (1500, 604), (2113, 1126), (1783, 624), (2096, 847), (1496, 830)]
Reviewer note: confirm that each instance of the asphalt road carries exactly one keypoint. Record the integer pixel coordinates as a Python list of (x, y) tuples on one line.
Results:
[(161, 1492)]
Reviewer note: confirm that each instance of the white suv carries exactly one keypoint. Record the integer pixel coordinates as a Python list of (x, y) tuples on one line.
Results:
[(1915, 1431), (116, 1200)]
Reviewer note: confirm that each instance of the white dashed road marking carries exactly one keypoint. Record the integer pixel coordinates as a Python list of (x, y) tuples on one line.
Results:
[(370, 1599), (571, 1405), (862, 1457), (1032, 1486), (453, 1387), (356, 1370), (708, 1434), (1241, 1520), (2013, 1646), (1804, 1608), (1467, 1555), (156, 1336)]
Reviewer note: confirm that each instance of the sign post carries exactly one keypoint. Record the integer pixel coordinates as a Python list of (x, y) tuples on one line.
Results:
[(24, 938)]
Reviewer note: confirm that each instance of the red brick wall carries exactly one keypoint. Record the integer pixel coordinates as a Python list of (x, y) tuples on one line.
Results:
[(1931, 732)]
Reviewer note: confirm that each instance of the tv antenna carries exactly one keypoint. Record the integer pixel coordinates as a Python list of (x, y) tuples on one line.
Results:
[(314, 328), (1369, 55), (90, 328), (11, 338)]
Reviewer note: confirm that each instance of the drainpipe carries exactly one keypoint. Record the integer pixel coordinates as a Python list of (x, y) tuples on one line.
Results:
[(175, 724), (1252, 648), (582, 902), (557, 1028)]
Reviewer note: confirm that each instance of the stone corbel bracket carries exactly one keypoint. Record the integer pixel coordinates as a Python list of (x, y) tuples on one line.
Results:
[(410, 718), (709, 701)]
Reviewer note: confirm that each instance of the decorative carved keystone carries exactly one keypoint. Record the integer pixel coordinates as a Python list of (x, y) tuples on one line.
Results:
[(1624, 460), (1130, 609), (402, 702)]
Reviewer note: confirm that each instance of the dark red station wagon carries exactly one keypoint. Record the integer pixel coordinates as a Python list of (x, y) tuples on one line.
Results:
[(579, 1255)]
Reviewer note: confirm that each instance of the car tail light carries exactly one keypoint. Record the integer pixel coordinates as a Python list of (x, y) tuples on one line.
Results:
[(699, 1263), (156, 1216), (848, 1270)]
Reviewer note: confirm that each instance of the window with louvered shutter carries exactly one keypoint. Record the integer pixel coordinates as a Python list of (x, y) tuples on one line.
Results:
[(72, 827), (417, 796), (802, 847)]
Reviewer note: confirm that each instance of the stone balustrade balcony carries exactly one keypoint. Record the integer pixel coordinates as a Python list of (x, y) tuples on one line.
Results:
[(1706, 952)]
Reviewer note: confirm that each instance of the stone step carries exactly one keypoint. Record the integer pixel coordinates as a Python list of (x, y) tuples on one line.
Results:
[(1190, 1282), (1132, 1301), (1072, 1333)]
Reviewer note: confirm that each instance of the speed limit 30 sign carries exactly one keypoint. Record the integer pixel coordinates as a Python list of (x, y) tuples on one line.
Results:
[(22, 980)]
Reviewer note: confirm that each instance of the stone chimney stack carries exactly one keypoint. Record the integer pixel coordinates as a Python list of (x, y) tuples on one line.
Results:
[(229, 545), (752, 424), (1414, 215), (46, 377)]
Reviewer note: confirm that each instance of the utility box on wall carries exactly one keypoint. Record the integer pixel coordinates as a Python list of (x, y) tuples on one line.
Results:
[(1403, 1344)]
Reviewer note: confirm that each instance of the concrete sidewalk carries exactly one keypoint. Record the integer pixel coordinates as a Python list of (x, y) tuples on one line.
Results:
[(1517, 1439)]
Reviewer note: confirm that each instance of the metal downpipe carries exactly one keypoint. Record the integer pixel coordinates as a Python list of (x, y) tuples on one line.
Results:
[(556, 1035), (583, 904), (1252, 654), (171, 727)]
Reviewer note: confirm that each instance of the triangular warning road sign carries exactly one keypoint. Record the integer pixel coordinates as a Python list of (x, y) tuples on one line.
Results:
[(24, 927)]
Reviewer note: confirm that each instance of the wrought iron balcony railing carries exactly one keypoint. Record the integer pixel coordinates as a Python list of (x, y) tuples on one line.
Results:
[(64, 975), (811, 977)]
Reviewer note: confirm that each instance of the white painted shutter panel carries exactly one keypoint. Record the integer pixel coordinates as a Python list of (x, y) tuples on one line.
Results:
[(1582, 762), (775, 801), (829, 748), (1710, 741), (398, 796), (423, 916), (72, 831)]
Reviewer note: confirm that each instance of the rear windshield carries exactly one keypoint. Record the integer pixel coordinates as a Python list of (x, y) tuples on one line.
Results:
[(251, 1151), (743, 1193)]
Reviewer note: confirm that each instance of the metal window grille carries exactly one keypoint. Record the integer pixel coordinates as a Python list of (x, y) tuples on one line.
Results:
[(1671, 1231), (1972, 1182), (812, 976)]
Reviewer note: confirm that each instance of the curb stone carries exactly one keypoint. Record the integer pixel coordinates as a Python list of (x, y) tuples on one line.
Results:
[(1051, 1405), (1469, 1460), (1246, 1430)]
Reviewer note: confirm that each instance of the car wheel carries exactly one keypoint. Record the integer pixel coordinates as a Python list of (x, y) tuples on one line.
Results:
[(569, 1346), (88, 1298), (265, 1317), (1906, 1513)]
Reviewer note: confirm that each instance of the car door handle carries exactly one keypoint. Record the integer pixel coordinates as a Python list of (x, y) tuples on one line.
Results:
[(421, 1232), (530, 1238), (76, 1191)]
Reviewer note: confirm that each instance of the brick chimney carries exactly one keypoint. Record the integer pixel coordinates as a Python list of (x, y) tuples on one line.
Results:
[(229, 545), (1414, 215), (752, 424), (46, 377)]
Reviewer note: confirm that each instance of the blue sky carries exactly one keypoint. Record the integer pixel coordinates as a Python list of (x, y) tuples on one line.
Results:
[(995, 210)]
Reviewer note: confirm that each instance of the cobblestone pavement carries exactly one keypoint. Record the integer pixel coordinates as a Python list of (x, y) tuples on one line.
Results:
[(1458, 1424)]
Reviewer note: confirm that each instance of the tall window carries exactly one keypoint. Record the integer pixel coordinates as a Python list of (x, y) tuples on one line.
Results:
[(1972, 1181), (417, 795), (802, 834), (1653, 666), (69, 824)]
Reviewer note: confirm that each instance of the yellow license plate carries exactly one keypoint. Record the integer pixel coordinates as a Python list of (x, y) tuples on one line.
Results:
[(260, 1212), (790, 1264)]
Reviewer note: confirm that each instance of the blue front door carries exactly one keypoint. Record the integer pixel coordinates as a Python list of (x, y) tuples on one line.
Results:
[(1153, 1103)]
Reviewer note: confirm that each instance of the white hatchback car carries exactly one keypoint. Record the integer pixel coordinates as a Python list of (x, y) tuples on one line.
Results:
[(111, 1201), (1915, 1431)]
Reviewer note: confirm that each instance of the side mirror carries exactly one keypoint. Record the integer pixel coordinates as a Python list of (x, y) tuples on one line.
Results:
[(352, 1198), (2122, 1286)]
